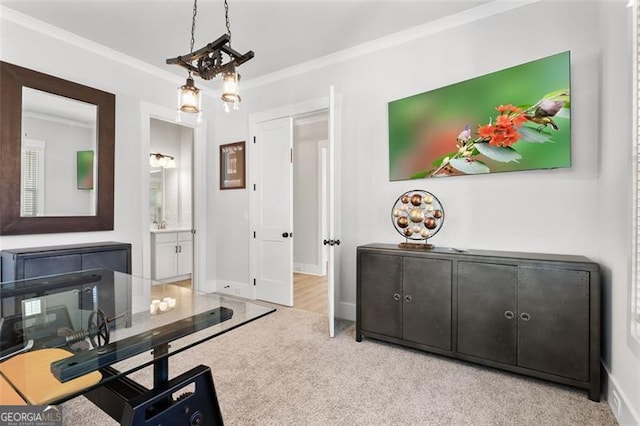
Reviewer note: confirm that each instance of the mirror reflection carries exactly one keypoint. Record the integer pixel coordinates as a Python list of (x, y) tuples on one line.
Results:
[(170, 180), (59, 156)]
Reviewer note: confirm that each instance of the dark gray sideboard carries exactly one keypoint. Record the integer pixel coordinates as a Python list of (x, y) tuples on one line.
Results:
[(528, 313), (34, 262)]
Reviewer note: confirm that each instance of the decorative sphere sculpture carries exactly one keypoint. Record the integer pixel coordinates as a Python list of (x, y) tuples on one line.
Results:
[(417, 215)]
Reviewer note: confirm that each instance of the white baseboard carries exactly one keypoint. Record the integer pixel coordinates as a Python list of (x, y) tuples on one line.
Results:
[(307, 268), (207, 286), (173, 279), (623, 411), (346, 311), (233, 288)]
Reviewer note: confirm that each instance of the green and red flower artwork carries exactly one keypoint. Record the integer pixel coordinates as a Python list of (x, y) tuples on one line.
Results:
[(513, 119)]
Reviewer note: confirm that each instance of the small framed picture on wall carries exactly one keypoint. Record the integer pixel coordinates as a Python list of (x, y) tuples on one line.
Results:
[(232, 166)]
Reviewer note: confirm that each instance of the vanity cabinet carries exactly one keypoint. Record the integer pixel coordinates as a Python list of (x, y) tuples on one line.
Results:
[(534, 314), (172, 254)]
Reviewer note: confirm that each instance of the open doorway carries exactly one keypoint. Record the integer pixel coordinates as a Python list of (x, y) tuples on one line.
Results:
[(271, 202), (310, 146), (171, 202)]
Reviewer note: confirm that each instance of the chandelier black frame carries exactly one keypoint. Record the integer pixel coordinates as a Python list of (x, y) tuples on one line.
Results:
[(210, 59)]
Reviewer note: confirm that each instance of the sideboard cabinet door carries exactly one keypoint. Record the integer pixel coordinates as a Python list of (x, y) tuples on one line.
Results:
[(487, 311), (553, 321), (114, 260), (381, 294), (427, 301), (31, 262), (41, 266)]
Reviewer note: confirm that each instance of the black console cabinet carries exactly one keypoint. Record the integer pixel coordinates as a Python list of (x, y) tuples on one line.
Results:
[(534, 314), (34, 262)]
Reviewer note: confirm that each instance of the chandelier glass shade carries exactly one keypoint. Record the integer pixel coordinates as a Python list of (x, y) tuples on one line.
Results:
[(231, 90), (189, 99)]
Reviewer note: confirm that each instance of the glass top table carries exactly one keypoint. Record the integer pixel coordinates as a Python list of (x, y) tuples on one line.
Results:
[(112, 322)]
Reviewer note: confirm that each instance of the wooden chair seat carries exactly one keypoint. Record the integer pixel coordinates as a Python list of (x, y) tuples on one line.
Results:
[(30, 373)]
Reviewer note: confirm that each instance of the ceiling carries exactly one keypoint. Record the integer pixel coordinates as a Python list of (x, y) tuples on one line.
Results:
[(281, 33)]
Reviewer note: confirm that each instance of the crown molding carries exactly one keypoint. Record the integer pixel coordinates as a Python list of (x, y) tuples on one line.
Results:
[(475, 14), (59, 120), (13, 16), (478, 13), (83, 43)]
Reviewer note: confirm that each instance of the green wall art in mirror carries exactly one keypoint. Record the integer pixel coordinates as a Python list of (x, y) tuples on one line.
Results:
[(84, 160)]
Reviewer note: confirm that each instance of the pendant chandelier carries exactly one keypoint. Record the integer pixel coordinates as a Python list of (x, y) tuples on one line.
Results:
[(216, 58)]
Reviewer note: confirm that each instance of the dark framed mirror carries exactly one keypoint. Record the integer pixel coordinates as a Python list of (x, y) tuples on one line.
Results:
[(63, 183)]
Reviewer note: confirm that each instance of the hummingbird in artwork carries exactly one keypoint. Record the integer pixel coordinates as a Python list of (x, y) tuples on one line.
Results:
[(544, 112), (464, 135)]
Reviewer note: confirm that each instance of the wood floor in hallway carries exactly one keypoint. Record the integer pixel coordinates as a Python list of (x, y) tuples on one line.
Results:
[(310, 293)]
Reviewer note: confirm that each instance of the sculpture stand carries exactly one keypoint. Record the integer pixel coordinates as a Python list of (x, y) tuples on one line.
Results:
[(421, 246)]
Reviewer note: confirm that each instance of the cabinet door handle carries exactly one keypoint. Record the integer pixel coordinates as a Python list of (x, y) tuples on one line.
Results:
[(509, 315), (408, 298), (525, 316), (175, 249), (396, 297)]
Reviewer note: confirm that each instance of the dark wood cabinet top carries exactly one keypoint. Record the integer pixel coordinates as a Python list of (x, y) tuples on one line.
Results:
[(484, 255), (104, 245)]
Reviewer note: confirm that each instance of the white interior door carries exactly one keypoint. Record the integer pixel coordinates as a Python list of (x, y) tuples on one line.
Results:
[(273, 224), (333, 240)]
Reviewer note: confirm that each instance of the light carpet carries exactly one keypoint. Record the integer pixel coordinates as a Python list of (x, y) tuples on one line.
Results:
[(283, 369)]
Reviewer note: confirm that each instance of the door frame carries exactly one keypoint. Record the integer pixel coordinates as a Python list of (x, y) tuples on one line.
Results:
[(323, 202), (307, 107), (198, 196)]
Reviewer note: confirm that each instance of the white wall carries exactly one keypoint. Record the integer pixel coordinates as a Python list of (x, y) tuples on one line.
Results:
[(62, 140), (621, 355), (228, 222), (68, 60), (306, 205), (581, 210)]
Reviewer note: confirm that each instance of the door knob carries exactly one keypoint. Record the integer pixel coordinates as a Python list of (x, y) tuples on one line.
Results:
[(525, 316), (408, 298), (509, 315), (396, 296), (285, 234), (325, 242)]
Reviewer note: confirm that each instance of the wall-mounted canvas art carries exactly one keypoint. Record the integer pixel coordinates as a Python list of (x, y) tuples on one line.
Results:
[(514, 119), (84, 164)]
